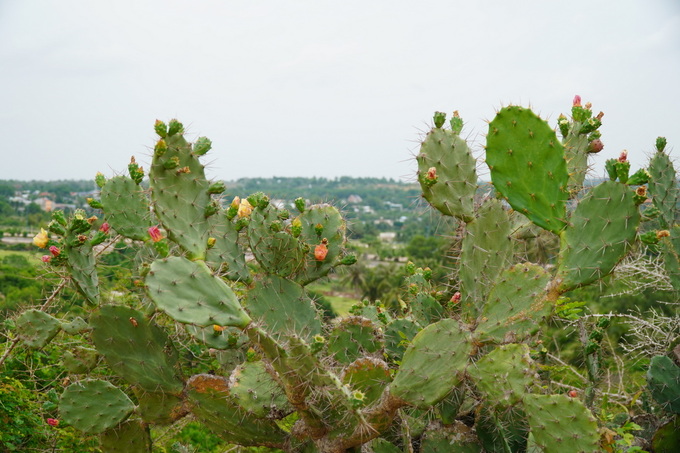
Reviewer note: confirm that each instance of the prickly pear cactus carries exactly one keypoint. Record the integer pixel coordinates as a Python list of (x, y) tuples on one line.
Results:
[(225, 278)]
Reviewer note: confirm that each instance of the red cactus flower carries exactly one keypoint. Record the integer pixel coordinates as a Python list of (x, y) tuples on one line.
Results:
[(54, 250), (624, 156), (432, 173), (105, 227), (53, 422), (456, 297), (572, 393), (577, 101), (46, 258), (155, 233)]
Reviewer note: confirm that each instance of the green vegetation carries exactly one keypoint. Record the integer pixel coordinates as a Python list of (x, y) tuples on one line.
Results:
[(187, 316)]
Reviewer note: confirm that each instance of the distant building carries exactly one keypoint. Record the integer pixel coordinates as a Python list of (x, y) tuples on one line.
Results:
[(354, 199), (387, 236)]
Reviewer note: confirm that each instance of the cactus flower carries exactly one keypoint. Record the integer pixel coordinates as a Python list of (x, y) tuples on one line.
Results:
[(321, 250), (53, 422), (572, 393), (244, 209), (105, 227), (577, 101), (54, 250), (45, 258), (217, 328), (155, 233), (41, 239), (456, 297), (624, 156), (663, 234)]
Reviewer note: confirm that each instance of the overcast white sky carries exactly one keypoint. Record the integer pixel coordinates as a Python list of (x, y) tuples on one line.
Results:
[(319, 88)]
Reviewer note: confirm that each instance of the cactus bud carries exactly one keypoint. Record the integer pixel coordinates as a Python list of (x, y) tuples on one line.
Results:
[(427, 273), (596, 335), (100, 180), (133, 321), (175, 127), (300, 204), (56, 228), (563, 124), (623, 157), (660, 144), (94, 204), (155, 233), (136, 172), (595, 146), (603, 322), (183, 170), (348, 260), (572, 393), (161, 129), (211, 242), (318, 229), (53, 422), (357, 399), (577, 101), (92, 219), (640, 177), (160, 148), (276, 226), (46, 258), (59, 217), (54, 250), (171, 163), (650, 238), (211, 209), (296, 227), (318, 344), (410, 268), (455, 299), (217, 188), (202, 146), (105, 227), (456, 123), (430, 178), (218, 329), (439, 119), (251, 355), (284, 214)]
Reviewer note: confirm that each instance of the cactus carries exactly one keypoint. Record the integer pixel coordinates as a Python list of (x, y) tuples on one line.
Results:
[(663, 378), (36, 328), (385, 378), (93, 406)]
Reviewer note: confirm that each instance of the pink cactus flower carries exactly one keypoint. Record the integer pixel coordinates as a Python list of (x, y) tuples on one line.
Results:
[(54, 250), (155, 233), (577, 101), (624, 156), (456, 297), (105, 227), (46, 258), (53, 422)]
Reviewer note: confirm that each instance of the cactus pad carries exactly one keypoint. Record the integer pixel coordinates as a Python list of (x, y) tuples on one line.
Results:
[(36, 328), (93, 406), (447, 173), (600, 233), (663, 378), (189, 293), (136, 349), (433, 364), (132, 436), (126, 207), (528, 166)]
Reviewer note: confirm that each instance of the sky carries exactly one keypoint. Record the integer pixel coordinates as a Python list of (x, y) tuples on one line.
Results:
[(320, 88)]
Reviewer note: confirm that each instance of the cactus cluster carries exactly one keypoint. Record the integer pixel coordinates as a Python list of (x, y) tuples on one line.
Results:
[(379, 378)]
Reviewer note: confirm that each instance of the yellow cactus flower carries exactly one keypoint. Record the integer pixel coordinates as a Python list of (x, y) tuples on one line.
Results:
[(41, 239), (244, 209)]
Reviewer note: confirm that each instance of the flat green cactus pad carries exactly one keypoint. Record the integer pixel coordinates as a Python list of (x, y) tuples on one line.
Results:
[(131, 436), (126, 207), (601, 230), (528, 166), (433, 364), (189, 293), (93, 406), (136, 349), (561, 424), (663, 378), (36, 328)]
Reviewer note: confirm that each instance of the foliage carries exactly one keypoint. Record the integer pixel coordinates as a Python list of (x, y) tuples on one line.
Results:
[(195, 329)]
